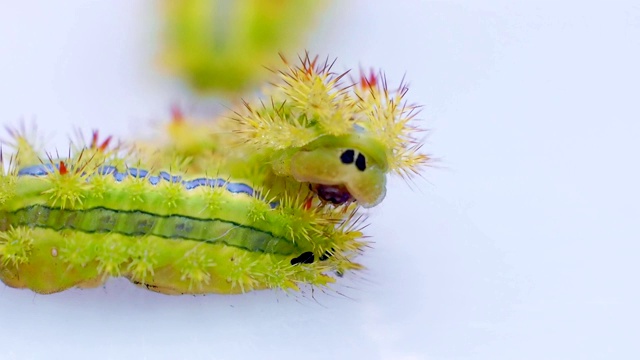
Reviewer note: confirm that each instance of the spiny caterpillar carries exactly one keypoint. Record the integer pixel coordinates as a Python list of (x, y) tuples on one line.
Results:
[(75, 223), (266, 198)]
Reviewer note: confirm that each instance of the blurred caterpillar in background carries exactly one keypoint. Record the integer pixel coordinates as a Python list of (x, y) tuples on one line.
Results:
[(267, 197), (221, 46)]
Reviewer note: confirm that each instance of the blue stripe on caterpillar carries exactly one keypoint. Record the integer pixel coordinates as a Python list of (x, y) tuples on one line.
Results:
[(232, 187)]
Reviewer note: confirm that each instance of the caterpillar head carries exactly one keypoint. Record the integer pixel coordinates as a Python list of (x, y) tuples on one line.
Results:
[(342, 169), (342, 140)]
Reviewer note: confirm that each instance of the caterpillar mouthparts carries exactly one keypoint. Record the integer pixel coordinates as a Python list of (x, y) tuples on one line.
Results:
[(335, 194)]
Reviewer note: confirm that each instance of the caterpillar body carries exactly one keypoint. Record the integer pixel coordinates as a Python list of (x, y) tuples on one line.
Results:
[(62, 227), (282, 210)]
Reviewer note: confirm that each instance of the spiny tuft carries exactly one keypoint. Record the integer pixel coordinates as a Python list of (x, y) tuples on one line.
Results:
[(172, 193), (143, 260), (112, 256), (67, 185), (309, 100), (26, 143), (78, 250), (15, 245), (239, 272), (194, 267)]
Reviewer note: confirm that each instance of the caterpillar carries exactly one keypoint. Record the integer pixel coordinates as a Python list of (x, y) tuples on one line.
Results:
[(282, 208), (221, 46), (68, 224)]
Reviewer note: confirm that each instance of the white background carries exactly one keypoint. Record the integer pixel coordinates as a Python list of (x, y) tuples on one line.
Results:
[(521, 243)]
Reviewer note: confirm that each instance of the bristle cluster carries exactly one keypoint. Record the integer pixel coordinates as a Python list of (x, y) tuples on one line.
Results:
[(195, 268), (309, 100), (25, 143), (67, 186), (387, 117), (15, 246)]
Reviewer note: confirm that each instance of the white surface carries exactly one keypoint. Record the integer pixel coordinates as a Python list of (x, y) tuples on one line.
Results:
[(524, 244)]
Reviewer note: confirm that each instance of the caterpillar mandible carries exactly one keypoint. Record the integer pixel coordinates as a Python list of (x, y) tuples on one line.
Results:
[(267, 197)]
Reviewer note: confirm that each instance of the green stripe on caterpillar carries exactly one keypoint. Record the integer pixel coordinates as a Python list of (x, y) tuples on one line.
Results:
[(139, 223), (66, 225)]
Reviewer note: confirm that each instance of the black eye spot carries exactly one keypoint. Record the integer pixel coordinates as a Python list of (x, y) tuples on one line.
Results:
[(361, 162), (304, 258), (347, 156)]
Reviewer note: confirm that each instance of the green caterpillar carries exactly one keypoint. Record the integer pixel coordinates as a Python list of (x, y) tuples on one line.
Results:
[(222, 46), (282, 208), (69, 225)]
